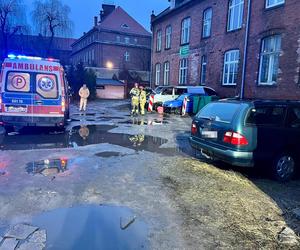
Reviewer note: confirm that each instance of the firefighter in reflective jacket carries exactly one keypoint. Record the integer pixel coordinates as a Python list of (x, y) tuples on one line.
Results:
[(135, 93), (143, 100)]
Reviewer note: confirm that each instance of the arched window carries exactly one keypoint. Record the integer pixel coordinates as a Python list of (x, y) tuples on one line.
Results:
[(207, 18), (231, 67), (185, 30), (157, 74)]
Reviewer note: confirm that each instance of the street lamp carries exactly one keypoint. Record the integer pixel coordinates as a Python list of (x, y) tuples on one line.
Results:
[(109, 65)]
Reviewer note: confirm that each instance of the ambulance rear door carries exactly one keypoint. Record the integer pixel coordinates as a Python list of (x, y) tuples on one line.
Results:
[(47, 95), (18, 97)]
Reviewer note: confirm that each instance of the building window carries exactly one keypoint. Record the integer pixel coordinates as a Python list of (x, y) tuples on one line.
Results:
[(93, 55), (185, 30), (168, 36), (231, 67), (167, 73), (135, 40), (158, 40), (269, 60), (157, 74), (203, 70), (273, 3), (183, 71), (118, 39), (207, 18), (235, 14), (127, 40), (127, 56)]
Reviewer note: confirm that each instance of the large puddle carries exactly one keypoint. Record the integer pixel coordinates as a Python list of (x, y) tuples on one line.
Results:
[(79, 136), (93, 227)]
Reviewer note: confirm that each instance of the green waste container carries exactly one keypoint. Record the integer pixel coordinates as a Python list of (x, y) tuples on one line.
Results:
[(196, 101), (201, 101)]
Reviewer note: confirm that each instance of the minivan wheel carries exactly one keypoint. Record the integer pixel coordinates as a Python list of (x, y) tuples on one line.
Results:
[(284, 167)]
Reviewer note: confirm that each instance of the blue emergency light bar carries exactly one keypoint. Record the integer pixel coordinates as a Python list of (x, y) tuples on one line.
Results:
[(12, 56)]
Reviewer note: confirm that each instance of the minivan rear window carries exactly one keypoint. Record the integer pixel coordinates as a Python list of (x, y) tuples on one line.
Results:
[(221, 112), (18, 82)]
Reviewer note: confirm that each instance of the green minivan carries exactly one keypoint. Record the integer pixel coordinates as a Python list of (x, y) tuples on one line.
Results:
[(246, 133)]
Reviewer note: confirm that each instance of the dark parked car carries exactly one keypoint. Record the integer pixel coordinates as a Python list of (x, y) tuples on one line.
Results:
[(248, 133)]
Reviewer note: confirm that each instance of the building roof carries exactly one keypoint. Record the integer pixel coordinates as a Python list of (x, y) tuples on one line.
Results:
[(105, 82), (35, 41), (169, 10), (119, 20)]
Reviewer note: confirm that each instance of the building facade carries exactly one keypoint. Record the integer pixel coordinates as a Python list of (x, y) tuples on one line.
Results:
[(202, 42), (116, 42), (37, 45)]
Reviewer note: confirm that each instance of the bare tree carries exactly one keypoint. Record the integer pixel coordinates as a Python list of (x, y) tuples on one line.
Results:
[(51, 18), (12, 21)]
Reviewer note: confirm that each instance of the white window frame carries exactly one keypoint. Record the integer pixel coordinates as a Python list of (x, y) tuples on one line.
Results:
[(185, 30), (157, 74), (127, 56), (203, 70), (235, 7), (276, 3), (207, 21), (231, 62), (127, 40), (167, 73), (183, 71), (168, 36), (158, 40), (272, 55)]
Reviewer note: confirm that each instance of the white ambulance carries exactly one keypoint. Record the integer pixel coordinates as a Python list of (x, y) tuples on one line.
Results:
[(33, 92)]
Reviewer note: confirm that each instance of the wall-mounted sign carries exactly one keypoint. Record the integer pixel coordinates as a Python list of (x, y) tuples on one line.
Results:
[(184, 50)]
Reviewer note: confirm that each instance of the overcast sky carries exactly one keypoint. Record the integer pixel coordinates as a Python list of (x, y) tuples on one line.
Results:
[(83, 11)]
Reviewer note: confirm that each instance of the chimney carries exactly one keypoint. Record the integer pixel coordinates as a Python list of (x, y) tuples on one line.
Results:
[(95, 21), (107, 9)]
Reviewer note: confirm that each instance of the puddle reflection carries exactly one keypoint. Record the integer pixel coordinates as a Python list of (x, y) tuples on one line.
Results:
[(93, 227), (81, 136), (48, 167)]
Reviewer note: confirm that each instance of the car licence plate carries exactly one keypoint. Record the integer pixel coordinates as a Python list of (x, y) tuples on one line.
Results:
[(209, 134), (16, 109)]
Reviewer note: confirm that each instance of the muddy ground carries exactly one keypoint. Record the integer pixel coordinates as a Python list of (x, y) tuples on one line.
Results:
[(143, 171)]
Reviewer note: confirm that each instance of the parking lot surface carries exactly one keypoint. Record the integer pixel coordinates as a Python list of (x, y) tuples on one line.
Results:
[(115, 181)]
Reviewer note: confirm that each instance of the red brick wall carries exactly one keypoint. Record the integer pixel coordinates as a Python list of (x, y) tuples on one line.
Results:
[(107, 48), (283, 20)]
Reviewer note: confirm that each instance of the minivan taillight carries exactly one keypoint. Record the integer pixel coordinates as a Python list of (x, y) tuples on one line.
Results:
[(63, 105), (235, 139), (194, 129)]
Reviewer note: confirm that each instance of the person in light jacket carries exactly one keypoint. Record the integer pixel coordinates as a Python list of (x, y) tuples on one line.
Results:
[(84, 94)]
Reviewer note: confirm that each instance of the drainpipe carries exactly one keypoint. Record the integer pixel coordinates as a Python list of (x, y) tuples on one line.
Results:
[(242, 93)]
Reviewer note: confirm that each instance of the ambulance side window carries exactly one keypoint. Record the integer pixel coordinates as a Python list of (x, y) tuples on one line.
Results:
[(46, 86), (18, 82)]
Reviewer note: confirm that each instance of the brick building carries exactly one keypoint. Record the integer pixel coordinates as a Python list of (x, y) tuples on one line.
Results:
[(202, 42), (116, 42)]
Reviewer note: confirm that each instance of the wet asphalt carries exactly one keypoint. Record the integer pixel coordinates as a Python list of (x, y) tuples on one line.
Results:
[(96, 184)]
